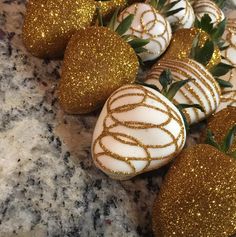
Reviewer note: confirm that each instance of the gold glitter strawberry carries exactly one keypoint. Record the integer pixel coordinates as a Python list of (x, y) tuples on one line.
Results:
[(182, 40), (98, 60), (198, 195), (49, 24)]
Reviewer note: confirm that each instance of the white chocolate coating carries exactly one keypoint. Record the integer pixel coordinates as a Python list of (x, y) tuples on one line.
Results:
[(184, 18), (229, 95), (137, 131), (209, 7), (204, 90), (148, 24)]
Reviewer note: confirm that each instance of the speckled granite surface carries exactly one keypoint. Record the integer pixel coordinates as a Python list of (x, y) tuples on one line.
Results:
[(48, 184)]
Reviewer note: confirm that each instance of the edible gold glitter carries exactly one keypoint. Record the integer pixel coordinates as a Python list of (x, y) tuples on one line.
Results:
[(198, 196), (97, 62), (49, 24), (108, 7), (222, 122), (181, 45)]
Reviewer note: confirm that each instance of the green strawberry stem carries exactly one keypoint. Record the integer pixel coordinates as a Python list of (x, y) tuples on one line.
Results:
[(204, 54), (169, 90), (226, 144), (215, 33)]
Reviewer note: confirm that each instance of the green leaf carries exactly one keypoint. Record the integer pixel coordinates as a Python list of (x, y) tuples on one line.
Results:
[(223, 83), (204, 54), (210, 140), (219, 30), (205, 24), (228, 140), (222, 48), (113, 20), (181, 107), (160, 4), (148, 85), (137, 43), (125, 24), (172, 12), (154, 3), (197, 23), (194, 46), (100, 20), (174, 88), (171, 5), (140, 50), (186, 124), (165, 80), (221, 69)]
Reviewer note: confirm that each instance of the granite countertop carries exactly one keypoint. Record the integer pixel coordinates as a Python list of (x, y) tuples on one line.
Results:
[(48, 183)]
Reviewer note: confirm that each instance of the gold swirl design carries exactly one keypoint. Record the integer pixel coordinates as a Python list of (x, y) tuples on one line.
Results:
[(118, 126), (203, 91), (157, 29), (202, 7)]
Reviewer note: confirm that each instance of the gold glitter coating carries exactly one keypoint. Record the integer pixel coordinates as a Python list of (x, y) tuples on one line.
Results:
[(96, 63), (167, 114), (108, 7), (221, 123), (181, 45), (198, 196), (49, 24), (204, 90)]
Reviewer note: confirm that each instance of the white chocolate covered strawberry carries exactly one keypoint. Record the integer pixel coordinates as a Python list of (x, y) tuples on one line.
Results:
[(151, 25)]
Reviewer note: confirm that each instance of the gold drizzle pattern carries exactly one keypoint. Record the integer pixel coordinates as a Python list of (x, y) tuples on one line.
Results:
[(149, 24), (202, 7), (122, 101), (203, 90)]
